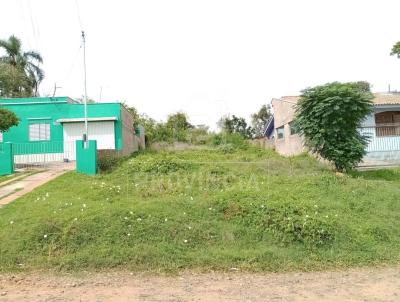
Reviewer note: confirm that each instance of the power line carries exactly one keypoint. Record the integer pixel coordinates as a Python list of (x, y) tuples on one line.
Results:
[(33, 25), (78, 14)]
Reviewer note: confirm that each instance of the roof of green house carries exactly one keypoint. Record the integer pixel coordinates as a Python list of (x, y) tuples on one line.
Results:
[(37, 100)]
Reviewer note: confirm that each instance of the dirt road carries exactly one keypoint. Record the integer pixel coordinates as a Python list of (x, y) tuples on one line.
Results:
[(378, 284)]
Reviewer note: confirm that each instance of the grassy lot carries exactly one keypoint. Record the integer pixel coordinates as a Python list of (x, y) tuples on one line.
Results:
[(206, 209)]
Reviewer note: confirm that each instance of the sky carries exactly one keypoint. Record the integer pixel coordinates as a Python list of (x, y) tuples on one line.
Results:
[(207, 58)]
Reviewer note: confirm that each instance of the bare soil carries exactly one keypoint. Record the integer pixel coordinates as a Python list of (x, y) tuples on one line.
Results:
[(373, 284)]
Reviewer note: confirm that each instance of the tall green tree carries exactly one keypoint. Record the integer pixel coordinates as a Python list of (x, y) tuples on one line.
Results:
[(259, 119), (236, 125), (13, 82), (328, 117), (28, 62), (8, 119)]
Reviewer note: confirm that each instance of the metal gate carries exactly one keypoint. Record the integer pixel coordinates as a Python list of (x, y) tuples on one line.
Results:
[(383, 145), (42, 154)]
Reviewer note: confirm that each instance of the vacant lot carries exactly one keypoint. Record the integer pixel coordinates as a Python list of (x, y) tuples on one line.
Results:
[(213, 209)]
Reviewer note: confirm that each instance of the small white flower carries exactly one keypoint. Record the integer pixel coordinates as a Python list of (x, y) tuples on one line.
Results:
[(185, 241), (130, 212), (84, 205), (11, 222), (47, 194), (166, 219), (129, 234), (139, 219), (126, 218), (191, 197), (45, 236), (75, 219), (210, 209), (189, 227)]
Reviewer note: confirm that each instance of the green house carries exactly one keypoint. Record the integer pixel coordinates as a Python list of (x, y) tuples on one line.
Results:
[(49, 127)]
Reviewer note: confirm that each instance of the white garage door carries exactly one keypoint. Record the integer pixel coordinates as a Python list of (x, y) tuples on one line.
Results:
[(102, 132)]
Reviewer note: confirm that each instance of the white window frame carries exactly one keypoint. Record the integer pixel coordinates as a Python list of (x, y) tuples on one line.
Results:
[(39, 131), (1, 137)]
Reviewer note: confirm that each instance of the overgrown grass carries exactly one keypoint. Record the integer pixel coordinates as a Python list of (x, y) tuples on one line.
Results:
[(216, 209)]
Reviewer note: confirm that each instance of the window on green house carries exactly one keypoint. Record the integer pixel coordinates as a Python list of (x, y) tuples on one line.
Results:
[(280, 132), (1, 137), (294, 128), (39, 132)]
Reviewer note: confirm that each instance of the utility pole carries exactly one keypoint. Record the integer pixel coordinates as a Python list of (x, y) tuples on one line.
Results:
[(85, 135)]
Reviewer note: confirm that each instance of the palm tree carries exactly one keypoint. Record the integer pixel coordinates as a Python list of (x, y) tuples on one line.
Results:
[(25, 61)]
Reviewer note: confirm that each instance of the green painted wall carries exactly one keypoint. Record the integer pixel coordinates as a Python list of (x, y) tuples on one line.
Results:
[(6, 159), (86, 158), (51, 109)]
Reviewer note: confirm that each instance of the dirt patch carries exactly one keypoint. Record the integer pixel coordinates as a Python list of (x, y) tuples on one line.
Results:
[(378, 284)]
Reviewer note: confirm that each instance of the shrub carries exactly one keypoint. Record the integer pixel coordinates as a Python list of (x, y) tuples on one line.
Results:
[(108, 162), (159, 165), (328, 117), (235, 140), (8, 119), (291, 223)]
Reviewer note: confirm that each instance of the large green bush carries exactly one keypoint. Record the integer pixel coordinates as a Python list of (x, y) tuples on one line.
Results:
[(328, 117)]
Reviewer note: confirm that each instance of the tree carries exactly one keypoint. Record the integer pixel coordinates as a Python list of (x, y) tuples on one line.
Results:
[(178, 121), (396, 50), (13, 82), (236, 125), (7, 120), (28, 62), (328, 117), (259, 119)]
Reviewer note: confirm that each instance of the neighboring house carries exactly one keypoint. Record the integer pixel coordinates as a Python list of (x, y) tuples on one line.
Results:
[(49, 127), (286, 138), (382, 126)]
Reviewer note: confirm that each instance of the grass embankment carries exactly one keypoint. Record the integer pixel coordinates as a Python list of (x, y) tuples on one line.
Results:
[(206, 209)]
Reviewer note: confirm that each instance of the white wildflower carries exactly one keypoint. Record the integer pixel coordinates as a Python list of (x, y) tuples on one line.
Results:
[(11, 222), (185, 241), (45, 236)]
